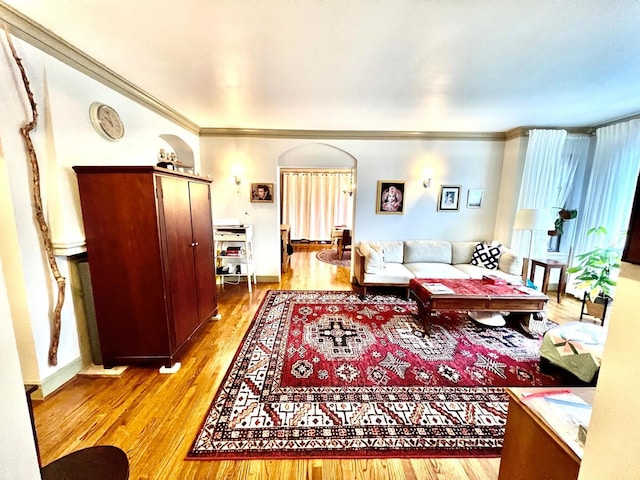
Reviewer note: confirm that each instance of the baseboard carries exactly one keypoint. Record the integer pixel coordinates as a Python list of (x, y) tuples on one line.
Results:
[(94, 370), (268, 279), (58, 378)]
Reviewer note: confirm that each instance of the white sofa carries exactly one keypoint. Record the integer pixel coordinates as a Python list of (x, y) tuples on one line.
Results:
[(395, 263)]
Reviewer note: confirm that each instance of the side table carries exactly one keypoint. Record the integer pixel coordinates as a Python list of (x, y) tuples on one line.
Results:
[(28, 390), (536, 447), (549, 265)]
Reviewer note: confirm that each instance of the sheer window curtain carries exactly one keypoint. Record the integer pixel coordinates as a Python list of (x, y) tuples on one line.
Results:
[(569, 191), (539, 189), (574, 153), (612, 183), (313, 202)]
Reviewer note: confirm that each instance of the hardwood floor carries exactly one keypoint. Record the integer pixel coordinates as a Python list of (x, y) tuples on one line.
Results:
[(154, 417)]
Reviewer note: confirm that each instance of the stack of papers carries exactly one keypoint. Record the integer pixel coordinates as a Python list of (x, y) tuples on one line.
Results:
[(437, 288)]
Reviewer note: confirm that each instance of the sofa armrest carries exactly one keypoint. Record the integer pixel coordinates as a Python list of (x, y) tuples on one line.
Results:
[(358, 265)]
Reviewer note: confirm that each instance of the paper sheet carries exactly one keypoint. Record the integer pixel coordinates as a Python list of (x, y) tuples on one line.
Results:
[(564, 412)]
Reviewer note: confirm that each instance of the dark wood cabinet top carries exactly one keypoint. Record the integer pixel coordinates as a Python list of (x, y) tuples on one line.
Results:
[(137, 169)]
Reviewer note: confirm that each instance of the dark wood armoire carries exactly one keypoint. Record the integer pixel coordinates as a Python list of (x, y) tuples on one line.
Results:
[(149, 241)]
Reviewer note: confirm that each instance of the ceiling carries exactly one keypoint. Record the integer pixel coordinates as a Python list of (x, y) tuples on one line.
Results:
[(396, 65)]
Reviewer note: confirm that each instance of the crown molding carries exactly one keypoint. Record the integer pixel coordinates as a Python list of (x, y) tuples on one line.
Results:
[(349, 134), (38, 36)]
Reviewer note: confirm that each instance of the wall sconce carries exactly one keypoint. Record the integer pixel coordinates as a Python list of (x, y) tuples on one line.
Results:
[(427, 175), (236, 170), (349, 188)]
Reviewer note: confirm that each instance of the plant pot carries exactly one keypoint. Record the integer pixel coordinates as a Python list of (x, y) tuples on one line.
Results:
[(567, 214), (552, 233), (595, 309), (598, 307)]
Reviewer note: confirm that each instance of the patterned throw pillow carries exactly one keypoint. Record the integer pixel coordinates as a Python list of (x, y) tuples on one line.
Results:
[(487, 255)]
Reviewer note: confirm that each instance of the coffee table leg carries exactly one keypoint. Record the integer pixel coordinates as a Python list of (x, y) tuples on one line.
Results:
[(424, 312), (426, 316)]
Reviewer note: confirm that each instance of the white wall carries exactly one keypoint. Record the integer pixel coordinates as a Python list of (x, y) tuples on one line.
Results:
[(515, 151), (64, 137), (18, 459), (469, 163)]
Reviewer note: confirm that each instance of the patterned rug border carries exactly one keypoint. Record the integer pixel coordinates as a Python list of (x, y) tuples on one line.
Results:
[(494, 395)]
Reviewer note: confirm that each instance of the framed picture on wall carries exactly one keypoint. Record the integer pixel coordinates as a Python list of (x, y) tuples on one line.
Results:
[(474, 198), (262, 192), (449, 198), (390, 198)]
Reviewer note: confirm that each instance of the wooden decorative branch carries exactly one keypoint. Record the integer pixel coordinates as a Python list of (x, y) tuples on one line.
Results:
[(45, 233)]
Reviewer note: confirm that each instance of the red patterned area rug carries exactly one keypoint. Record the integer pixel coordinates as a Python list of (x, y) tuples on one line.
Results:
[(325, 374), (330, 255)]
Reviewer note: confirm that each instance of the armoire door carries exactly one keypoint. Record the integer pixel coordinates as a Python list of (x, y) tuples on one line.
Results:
[(176, 210), (203, 252)]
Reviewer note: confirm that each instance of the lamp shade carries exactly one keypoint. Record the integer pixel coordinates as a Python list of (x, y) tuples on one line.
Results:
[(533, 219)]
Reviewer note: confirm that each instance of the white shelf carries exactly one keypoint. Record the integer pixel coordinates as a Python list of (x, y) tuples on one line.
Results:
[(238, 266)]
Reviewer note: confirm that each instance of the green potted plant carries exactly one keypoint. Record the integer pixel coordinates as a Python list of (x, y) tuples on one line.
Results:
[(595, 272), (563, 215)]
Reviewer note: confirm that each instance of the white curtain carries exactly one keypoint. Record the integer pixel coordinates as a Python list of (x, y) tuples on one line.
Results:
[(542, 163), (574, 153), (612, 183), (314, 202), (569, 183)]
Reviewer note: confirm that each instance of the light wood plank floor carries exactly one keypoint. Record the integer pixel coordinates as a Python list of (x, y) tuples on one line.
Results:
[(155, 417)]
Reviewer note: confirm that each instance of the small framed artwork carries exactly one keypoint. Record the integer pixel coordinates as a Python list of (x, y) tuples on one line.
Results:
[(474, 198), (449, 198), (262, 192), (390, 197)]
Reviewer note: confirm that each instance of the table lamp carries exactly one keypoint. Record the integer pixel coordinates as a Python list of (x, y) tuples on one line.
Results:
[(532, 219)]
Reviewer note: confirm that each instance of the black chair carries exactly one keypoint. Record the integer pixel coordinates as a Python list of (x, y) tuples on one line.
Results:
[(104, 462), (344, 243)]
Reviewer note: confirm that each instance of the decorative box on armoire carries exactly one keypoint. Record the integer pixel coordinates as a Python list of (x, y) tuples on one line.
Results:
[(149, 240)]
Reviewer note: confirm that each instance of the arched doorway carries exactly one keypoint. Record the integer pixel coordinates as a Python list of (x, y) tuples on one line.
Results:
[(317, 184)]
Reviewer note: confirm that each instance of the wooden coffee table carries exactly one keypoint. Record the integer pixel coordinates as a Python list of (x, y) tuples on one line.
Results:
[(439, 294)]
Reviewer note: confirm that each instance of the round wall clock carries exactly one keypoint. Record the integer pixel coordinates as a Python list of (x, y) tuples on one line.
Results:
[(106, 121)]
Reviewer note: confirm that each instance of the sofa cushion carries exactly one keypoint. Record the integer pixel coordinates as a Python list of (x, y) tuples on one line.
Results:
[(393, 250), (373, 257), (432, 251), (486, 255), (435, 270), (478, 272), (392, 274), (461, 252)]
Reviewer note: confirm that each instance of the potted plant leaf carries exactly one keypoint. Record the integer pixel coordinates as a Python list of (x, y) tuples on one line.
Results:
[(597, 272), (563, 215)]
